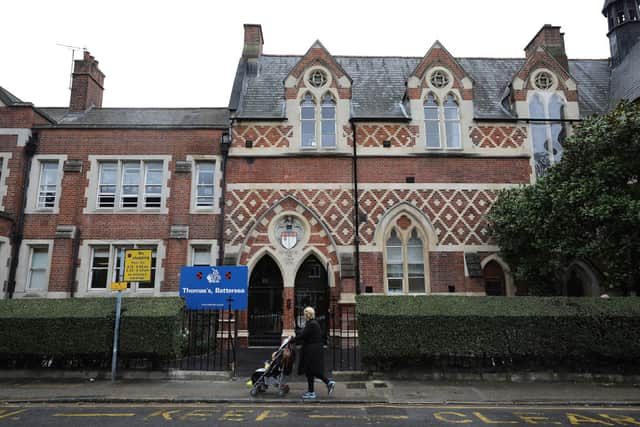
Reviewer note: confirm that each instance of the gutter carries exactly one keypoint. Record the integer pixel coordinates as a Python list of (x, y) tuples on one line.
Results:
[(30, 149)]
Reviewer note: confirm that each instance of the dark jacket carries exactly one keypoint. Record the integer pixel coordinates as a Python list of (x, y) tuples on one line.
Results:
[(311, 358)]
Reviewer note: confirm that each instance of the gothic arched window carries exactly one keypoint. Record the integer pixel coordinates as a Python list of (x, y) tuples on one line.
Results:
[(442, 122), (404, 251), (318, 122), (547, 130)]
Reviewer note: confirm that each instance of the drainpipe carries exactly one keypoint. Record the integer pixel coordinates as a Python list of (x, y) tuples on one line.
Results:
[(17, 233), (74, 260), (225, 144), (356, 208)]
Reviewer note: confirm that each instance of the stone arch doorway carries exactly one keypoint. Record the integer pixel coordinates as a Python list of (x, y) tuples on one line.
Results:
[(265, 304), (494, 280), (312, 290), (581, 281)]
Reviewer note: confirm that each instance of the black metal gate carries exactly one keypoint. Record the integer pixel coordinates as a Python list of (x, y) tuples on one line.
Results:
[(208, 340), (344, 345)]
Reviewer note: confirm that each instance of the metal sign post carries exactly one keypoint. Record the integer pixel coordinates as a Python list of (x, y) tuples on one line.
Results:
[(114, 357)]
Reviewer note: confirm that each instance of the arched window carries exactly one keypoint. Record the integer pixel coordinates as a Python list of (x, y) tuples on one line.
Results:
[(308, 121), (318, 122), (405, 262), (442, 122), (432, 122), (328, 118), (395, 264), (547, 130), (452, 122)]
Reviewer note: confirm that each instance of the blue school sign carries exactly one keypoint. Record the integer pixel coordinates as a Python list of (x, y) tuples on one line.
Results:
[(212, 287)]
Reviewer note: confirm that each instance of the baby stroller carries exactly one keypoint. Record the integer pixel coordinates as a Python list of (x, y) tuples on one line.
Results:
[(274, 371)]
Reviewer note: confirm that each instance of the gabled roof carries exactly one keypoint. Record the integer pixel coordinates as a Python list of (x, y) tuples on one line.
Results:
[(317, 53), (9, 99), (143, 118), (379, 85)]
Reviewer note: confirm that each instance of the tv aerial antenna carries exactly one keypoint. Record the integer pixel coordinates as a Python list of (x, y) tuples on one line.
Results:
[(73, 50)]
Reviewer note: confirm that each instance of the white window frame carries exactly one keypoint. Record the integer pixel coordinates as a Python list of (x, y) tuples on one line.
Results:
[(93, 193), (404, 236), (217, 190), (84, 273), (200, 168), (5, 260), (33, 193), (317, 97), (211, 245), (4, 172), (443, 133), (24, 265)]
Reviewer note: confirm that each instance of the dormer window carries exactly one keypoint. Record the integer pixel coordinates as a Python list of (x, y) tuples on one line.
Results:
[(318, 121), (442, 122)]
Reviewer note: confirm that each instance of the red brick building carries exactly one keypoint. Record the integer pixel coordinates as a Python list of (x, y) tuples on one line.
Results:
[(327, 176)]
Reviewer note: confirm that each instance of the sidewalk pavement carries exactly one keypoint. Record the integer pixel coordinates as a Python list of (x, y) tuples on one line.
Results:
[(351, 392)]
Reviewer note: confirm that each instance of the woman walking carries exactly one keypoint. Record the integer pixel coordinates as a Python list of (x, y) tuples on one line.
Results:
[(312, 360)]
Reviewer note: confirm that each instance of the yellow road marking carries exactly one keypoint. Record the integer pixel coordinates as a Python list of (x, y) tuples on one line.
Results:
[(328, 406), (360, 417), (106, 414), (10, 414)]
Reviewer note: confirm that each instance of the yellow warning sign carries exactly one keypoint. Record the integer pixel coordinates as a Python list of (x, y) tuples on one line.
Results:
[(137, 265), (119, 286)]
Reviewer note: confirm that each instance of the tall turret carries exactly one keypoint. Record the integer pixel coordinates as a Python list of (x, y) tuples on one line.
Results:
[(624, 27)]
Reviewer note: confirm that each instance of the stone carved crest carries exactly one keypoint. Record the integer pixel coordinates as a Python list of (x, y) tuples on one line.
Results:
[(289, 232)]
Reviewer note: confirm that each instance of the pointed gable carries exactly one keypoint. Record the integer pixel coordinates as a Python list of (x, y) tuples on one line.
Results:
[(438, 56), (318, 55), (541, 58)]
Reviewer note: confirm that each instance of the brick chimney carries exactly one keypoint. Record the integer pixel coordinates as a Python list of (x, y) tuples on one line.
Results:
[(252, 49), (87, 84), (253, 41), (550, 38)]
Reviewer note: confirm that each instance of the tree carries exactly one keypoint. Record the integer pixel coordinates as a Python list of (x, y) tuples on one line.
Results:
[(586, 208)]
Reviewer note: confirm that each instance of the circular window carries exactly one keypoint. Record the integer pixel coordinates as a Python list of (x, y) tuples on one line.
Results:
[(439, 79), (318, 78), (543, 80)]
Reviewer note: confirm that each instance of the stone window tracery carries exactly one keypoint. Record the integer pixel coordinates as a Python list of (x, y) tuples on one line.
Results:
[(442, 122), (318, 121), (543, 80), (439, 79), (318, 79)]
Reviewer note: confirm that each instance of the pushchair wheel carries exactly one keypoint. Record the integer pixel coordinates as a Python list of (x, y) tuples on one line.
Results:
[(253, 392), (284, 389)]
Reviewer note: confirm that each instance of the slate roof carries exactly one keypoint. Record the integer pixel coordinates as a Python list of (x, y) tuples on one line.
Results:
[(625, 78), (379, 85), (9, 99), (188, 118)]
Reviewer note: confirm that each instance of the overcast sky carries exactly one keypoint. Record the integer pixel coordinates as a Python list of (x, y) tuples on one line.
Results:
[(184, 53)]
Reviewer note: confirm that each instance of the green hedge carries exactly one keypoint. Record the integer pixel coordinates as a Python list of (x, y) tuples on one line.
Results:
[(149, 327), (422, 330)]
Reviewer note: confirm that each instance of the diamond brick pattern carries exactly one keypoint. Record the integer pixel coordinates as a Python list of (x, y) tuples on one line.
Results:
[(398, 135), (262, 136), (498, 136), (334, 207), (456, 215)]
